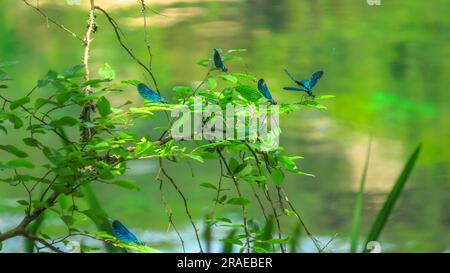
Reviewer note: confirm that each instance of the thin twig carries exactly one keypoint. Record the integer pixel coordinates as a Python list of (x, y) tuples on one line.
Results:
[(168, 209), (219, 189), (268, 197), (43, 122), (116, 29), (146, 34), (253, 188), (48, 188), (315, 241), (42, 241), (244, 209), (186, 207), (201, 83), (54, 22)]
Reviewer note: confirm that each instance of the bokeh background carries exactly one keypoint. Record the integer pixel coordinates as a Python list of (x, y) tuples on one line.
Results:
[(388, 66)]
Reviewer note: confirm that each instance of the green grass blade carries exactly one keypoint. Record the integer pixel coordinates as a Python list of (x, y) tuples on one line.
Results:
[(266, 234), (357, 213), (93, 202), (227, 246), (384, 213), (296, 237), (207, 233), (33, 229)]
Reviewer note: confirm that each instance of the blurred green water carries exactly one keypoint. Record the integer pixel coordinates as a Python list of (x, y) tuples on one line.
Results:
[(387, 65)]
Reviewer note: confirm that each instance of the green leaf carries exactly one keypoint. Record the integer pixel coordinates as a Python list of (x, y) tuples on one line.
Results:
[(95, 95), (14, 120), (86, 249), (62, 97), (391, 199), (277, 240), (38, 103), (19, 102), (277, 177), (324, 97), (64, 121), (258, 249), (208, 185), (13, 150), (40, 204), (17, 163), (204, 62), (233, 164), (357, 212), (313, 104), (115, 242), (53, 155), (238, 201), (74, 72), (49, 77), (234, 241), (222, 199), (23, 202), (236, 50), (229, 78), (64, 171), (248, 92), (67, 219), (195, 157), (95, 83), (132, 82), (31, 142), (127, 184), (106, 174), (211, 83), (64, 202), (232, 225), (183, 91), (223, 219), (104, 107), (244, 76), (101, 146), (4, 76), (97, 215), (144, 147), (107, 72), (243, 170)]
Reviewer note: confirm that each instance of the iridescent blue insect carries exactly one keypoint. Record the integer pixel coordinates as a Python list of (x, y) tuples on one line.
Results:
[(218, 61), (262, 87), (305, 85), (149, 94), (124, 234)]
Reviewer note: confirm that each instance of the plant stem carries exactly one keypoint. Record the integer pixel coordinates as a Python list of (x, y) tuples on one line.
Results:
[(186, 207), (244, 209), (86, 133)]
